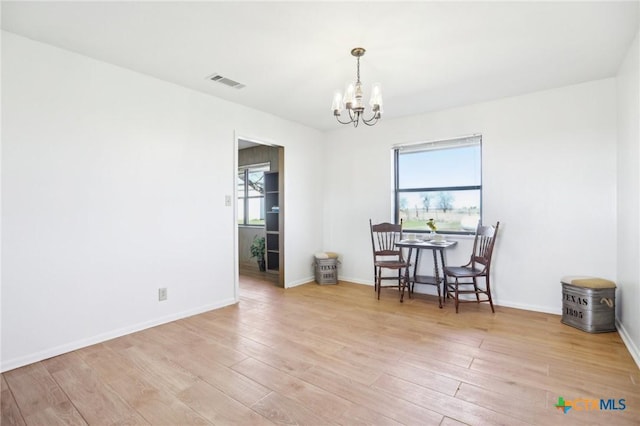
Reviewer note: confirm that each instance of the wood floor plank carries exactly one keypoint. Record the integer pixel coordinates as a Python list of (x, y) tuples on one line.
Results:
[(156, 406), (446, 405), (448, 421), (322, 403), (63, 414), (335, 363), (108, 364), (490, 383), (322, 355), (360, 416), (161, 371), (573, 384), (97, 403), (34, 389), (10, 413), (162, 409), (513, 406), (61, 362), (232, 383), (279, 409), (218, 408), (275, 358), (429, 379), (384, 341), (397, 407)]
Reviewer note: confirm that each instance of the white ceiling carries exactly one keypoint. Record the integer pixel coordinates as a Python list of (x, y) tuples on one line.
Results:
[(292, 56)]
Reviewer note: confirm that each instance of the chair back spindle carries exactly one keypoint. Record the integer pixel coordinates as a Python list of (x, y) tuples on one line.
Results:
[(483, 245), (384, 237)]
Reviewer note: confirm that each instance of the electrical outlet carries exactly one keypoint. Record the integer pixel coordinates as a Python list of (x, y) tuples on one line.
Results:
[(162, 294), (227, 200)]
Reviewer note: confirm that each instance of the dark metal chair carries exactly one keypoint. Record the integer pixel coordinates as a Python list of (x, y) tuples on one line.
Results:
[(386, 256), (479, 266)]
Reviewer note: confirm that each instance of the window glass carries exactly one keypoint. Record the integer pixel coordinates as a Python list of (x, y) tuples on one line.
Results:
[(440, 181), (255, 180), (241, 183), (440, 168), (255, 213), (241, 211), (251, 194)]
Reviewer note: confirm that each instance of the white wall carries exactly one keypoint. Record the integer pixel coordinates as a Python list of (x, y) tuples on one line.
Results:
[(628, 280), (549, 177), (113, 185)]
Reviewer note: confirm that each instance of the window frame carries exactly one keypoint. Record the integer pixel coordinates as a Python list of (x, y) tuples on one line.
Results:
[(446, 144), (245, 197)]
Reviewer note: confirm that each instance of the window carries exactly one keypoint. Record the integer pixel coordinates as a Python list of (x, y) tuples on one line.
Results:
[(251, 194), (440, 180)]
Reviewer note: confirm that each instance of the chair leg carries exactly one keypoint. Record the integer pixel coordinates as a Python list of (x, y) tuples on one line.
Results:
[(407, 282), (456, 295), (475, 288), (445, 290), (375, 279), (489, 294)]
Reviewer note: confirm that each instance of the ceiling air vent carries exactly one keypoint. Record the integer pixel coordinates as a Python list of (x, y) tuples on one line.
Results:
[(226, 81)]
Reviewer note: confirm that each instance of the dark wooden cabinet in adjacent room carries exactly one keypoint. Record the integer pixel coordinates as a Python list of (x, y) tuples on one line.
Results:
[(272, 220)]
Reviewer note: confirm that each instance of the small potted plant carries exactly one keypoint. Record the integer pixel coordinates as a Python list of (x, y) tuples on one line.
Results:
[(257, 251)]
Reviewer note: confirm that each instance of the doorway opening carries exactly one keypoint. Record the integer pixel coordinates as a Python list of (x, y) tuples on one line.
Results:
[(260, 211)]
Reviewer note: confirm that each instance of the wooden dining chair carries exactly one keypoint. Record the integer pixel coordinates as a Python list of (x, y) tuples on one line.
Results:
[(388, 257), (479, 266)]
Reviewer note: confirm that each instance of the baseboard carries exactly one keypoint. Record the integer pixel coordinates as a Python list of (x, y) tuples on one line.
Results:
[(83, 343), (527, 307), (296, 283), (355, 280), (628, 342), (308, 280)]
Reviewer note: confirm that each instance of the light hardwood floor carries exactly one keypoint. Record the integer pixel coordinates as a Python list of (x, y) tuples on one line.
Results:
[(333, 354)]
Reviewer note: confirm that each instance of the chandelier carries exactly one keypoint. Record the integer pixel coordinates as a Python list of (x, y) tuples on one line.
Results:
[(352, 99)]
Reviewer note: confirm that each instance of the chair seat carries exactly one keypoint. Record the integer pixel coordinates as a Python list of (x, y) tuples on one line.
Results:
[(392, 264), (463, 272)]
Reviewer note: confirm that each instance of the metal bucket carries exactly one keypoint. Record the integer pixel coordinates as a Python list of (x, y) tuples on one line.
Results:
[(326, 271), (590, 309)]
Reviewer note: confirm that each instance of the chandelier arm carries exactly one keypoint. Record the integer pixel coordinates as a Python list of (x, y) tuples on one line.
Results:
[(371, 122), (342, 122), (353, 118)]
